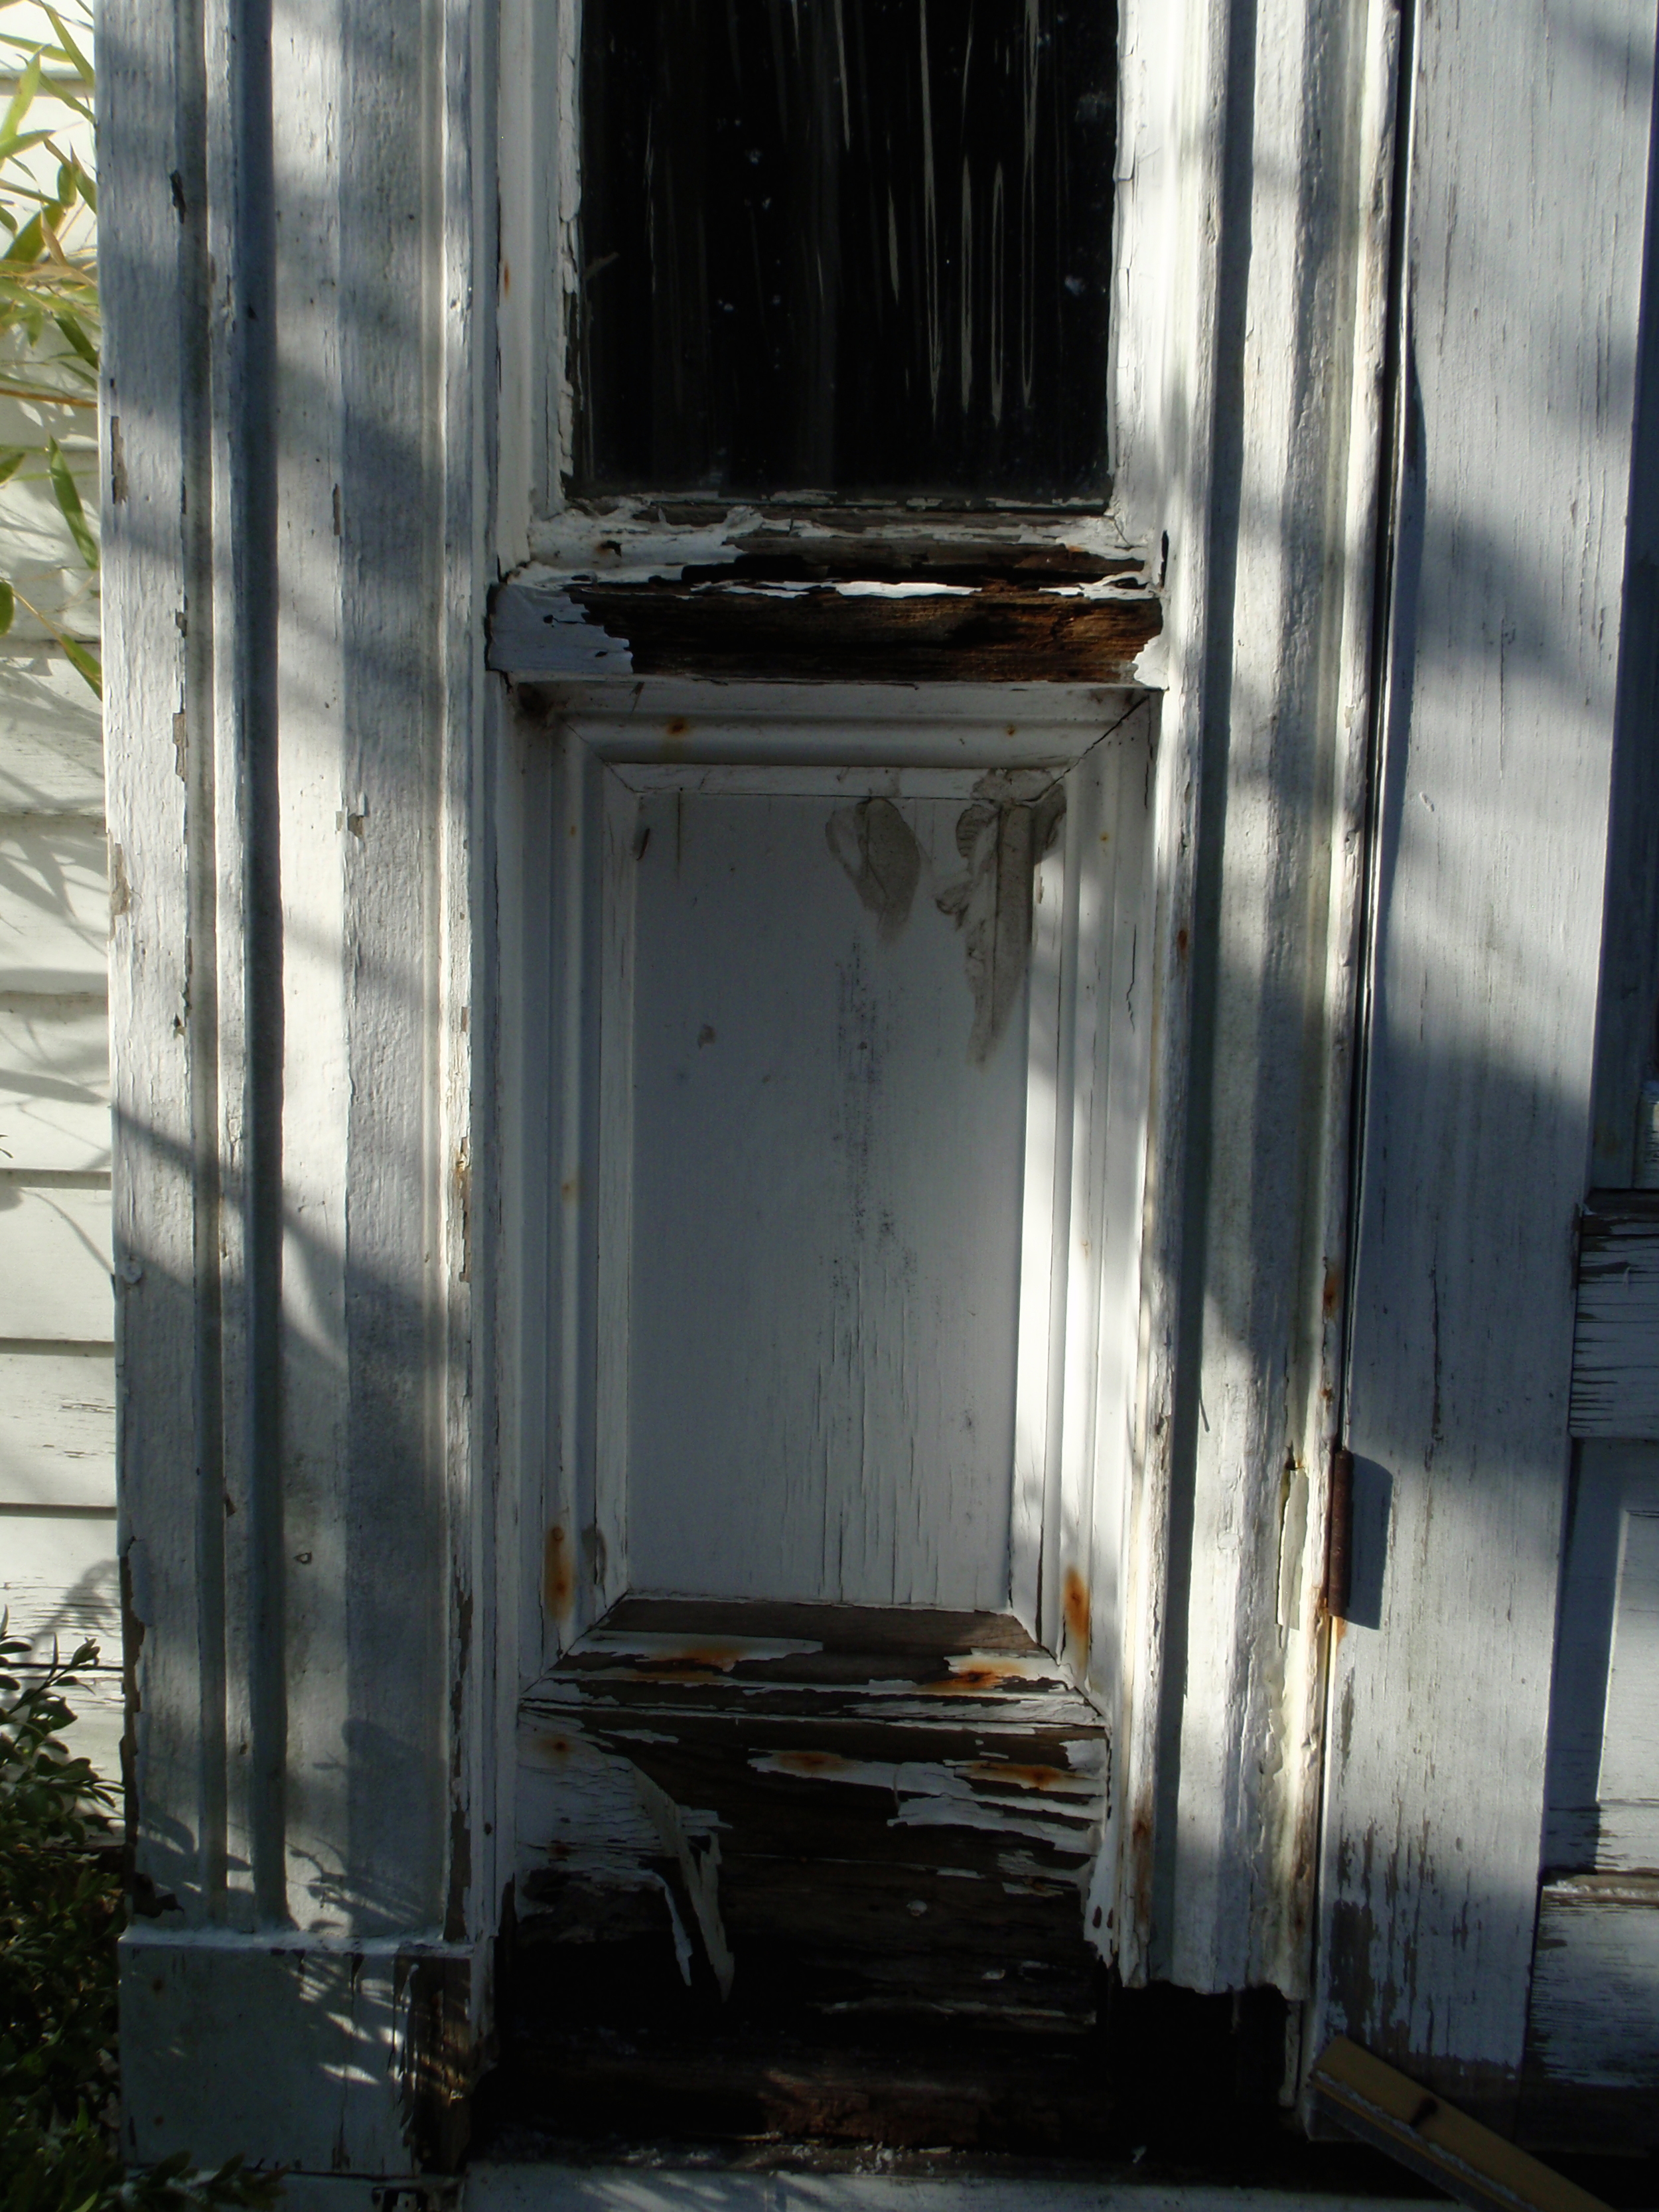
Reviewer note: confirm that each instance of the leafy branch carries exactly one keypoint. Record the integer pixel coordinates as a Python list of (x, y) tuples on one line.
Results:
[(50, 330)]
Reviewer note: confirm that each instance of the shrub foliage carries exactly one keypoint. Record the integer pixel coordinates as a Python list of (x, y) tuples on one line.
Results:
[(61, 1912)]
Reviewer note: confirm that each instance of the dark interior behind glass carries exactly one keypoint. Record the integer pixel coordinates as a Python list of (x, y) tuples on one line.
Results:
[(859, 247)]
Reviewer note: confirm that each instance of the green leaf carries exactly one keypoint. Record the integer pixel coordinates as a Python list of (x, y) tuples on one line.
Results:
[(71, 326), (8, 606), (71, 52), (69, 502), (28, 244), (12, 459), (23, 99), (84, 663)]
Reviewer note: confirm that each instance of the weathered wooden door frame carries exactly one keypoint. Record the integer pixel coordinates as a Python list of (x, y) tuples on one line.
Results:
[(1259, 867)]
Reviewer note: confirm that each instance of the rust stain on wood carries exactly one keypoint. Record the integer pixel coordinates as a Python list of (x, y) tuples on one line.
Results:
[(1075, 1602), (558, 1572)]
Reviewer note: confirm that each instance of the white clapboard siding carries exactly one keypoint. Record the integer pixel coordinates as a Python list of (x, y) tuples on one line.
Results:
[(54, 905), (1592, 2045), (1615, 1358), (54, 1262), (54, 1085), (57, 1429), (51, 751), (58, 1581)]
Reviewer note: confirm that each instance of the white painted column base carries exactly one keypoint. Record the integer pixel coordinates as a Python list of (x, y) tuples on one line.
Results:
[(336, 2059)]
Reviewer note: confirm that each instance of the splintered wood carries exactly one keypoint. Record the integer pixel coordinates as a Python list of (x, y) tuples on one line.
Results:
[(813, 1810)]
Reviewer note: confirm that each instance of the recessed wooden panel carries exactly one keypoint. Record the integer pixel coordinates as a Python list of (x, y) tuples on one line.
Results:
[(830, 1083)]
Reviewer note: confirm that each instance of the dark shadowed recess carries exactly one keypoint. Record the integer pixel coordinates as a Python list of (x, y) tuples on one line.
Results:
[(854, 247)]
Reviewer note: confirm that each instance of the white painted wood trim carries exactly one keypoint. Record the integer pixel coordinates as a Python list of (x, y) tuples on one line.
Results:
[(1493, 806)]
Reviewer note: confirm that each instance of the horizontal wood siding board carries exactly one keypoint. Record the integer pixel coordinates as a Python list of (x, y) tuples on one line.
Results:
[(54, 905), (54, 1085), (994, 633), (1615, 1360), (58, 1581), (54, 1263), (58, 1429)]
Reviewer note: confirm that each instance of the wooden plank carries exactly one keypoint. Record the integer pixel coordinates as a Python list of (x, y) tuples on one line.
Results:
[(54, 1262), (52, 742), (1432, 2139), (1492, 830), (58, 1580), (54, 1085), (922, 630), (1615, 1353), (54, 905), (58, 1429), (1593, 2040)]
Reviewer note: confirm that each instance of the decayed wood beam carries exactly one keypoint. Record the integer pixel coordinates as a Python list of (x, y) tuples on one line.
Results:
[(997, 630)]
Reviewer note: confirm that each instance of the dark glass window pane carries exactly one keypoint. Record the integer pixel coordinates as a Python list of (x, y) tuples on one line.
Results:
[(854, 247)]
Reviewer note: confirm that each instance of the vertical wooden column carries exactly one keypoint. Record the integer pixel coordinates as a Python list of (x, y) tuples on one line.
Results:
[(1519, 342), (292, 640)]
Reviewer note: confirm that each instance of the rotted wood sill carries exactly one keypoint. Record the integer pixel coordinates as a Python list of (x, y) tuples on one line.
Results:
[(879, 604)]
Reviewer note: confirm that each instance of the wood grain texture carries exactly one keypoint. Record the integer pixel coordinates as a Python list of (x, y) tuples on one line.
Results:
[(143, 256), (1491, 846), (850, 1810), (1615, 1351), (997, 632), (59, 1584), (1593, 2034)]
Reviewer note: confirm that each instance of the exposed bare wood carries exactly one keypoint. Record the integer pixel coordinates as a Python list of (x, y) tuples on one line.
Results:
[(848, 1810), (1615, 1352), (914, 631)]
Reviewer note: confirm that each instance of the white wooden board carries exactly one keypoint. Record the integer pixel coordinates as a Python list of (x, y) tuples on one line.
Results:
[(54, 907), (54, 1263), (1603, 1784), (827, 1202), (51, 748), (54, 1085), (58, 1578), (57, 1429), (1615, 1356)]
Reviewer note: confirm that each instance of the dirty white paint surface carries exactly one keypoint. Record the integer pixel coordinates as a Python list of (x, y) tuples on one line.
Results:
[(1492, 846)]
